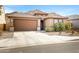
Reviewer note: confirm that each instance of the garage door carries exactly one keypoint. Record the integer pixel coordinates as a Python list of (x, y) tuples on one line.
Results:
[(25, 25)]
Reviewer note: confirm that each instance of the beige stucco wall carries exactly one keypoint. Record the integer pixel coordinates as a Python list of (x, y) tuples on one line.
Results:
[(1, 27), (48, 24), (66, 21), (7, 23), (2, 18)]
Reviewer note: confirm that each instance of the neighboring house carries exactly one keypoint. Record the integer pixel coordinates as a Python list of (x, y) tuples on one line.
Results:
[(2, 18), (75, 21), (32, 21)]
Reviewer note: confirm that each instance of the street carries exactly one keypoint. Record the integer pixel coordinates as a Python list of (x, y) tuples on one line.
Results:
[(70, 47)]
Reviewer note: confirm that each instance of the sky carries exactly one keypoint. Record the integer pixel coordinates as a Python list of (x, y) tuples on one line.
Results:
[(60, 9)]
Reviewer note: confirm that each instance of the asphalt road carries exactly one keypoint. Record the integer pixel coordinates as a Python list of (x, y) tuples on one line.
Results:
[(70, 47)]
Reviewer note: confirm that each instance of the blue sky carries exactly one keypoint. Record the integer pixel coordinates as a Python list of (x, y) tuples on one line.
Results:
[(60, 9)]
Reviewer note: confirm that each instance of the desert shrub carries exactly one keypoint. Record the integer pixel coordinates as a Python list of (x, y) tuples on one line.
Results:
[(68, 26), (55, 26), (59, 27)]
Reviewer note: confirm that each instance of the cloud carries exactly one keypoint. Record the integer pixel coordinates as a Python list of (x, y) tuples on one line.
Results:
[(8, 10)]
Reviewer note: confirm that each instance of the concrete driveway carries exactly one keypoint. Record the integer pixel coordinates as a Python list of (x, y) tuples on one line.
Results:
[(33, 38)]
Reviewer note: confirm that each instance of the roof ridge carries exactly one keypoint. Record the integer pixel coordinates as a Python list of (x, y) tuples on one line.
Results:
[(36, 10)]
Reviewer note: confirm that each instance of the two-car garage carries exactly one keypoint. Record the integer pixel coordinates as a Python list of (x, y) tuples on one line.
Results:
[(22, 22), (25, 25)]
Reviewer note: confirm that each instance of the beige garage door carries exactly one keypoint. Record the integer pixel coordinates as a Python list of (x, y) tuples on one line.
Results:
[(25, 25)]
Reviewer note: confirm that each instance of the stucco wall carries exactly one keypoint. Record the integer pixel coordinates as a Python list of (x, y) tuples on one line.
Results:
[(1, 27), (2, 18), (66, 21), (7, 23), (48, 24)]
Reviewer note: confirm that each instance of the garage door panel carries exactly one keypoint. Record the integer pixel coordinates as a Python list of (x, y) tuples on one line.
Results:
[(21, 25)]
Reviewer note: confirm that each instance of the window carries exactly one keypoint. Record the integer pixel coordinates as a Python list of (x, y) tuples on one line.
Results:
[(60, 20), (55, 20)]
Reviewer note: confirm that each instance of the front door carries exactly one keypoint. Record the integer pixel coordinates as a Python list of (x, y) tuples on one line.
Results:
[(42, 24)]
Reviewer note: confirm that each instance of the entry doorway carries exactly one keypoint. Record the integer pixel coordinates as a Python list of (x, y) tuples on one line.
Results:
[(42, 24)]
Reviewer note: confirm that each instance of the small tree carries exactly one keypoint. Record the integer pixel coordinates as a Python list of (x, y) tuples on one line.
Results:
[(59, 27), (55, 26)]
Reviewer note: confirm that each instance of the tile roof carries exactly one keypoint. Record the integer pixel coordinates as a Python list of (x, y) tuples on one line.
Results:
[(55, 15), (31, 14), (35, 11), (18, 14)]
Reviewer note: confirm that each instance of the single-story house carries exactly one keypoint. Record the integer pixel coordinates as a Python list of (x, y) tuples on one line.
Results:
[(2, 18), (32, 20)]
